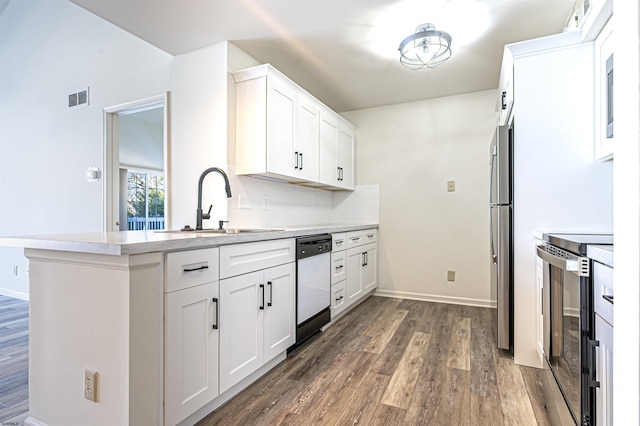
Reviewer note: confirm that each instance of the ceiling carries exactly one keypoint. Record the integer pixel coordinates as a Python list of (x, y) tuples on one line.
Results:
[(344, 52)]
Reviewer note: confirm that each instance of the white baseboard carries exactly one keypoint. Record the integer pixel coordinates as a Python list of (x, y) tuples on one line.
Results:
[(435, 298), (12, 293), (30, 421)]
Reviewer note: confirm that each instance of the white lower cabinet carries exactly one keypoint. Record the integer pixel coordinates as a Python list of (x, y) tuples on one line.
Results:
[(191, 332), (241, 327), (361, 271), (338, 299), (257, 321), (257, 309), (604, 373)]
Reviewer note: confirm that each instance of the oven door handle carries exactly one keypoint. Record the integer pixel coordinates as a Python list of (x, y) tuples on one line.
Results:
[(569, 265)]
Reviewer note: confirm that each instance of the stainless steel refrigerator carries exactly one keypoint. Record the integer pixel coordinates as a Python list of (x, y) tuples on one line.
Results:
[(501, 220)]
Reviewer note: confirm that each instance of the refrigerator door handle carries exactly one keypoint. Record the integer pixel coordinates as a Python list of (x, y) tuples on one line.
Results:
[(494, 257)]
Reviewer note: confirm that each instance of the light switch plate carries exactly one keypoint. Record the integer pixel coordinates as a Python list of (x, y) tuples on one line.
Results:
[(451, 275)]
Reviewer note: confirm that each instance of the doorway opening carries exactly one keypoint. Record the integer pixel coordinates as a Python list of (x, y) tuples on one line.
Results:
[(136, 149)]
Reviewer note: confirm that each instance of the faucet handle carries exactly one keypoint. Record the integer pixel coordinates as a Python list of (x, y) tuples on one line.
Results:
[(221, 223), (207, 215)]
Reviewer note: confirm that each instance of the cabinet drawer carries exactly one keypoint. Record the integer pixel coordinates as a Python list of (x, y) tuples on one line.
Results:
[(339, 241), (364, 236), (338, 299), (603, 286), (241, 259), (338, 266), (186, 269)]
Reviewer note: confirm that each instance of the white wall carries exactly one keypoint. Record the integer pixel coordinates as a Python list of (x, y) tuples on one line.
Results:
[(198, 138), (411, 150), (626, 333), (49, 49)]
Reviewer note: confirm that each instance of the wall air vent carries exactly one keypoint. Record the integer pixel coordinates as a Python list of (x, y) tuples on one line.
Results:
[(79, 98)]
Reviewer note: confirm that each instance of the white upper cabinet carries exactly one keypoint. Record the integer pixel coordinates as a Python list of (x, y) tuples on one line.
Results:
[(307, 152), (603, 93), (337, 145), (590, 16), (279, 131)]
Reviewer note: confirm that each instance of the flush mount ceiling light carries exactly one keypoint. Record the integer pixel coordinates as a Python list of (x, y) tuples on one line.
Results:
[(427, 47)]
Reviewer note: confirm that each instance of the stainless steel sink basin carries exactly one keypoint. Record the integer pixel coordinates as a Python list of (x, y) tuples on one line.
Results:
[(234, 231), (222, 231)]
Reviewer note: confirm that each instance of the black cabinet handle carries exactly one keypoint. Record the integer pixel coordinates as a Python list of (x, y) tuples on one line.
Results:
[(363, 262), (339, 298), (504, 98), (296, 155), (300, 161), (199, 268), (608, 298), (216, 316), (262, 288), (591, 360), (270, 293), (338, 170)]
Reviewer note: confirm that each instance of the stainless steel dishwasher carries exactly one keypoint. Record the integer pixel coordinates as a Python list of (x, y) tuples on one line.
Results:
[(313, 256)]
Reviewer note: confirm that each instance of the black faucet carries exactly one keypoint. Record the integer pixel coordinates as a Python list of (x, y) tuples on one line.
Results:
[(199, 214)]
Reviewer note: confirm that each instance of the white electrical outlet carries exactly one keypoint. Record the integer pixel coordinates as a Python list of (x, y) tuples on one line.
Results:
[(90, 385), (451, 275), (451, 186), (244, 202)]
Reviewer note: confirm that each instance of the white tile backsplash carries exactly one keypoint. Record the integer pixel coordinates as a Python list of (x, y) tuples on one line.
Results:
[(276, 204)]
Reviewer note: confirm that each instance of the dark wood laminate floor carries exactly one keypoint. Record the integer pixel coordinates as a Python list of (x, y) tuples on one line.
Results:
[(395, 362), (14, 360)]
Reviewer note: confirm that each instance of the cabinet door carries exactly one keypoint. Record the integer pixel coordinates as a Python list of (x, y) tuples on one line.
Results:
[(280, 309), (338, 301), (281, 113), (329, 172), (191, 342), (345, 147), (355, 265), (370, 268), (338, 266), (604, 373), (307, 144), (241, 327)]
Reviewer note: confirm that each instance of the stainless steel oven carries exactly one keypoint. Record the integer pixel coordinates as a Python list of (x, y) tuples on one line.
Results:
[(568, 327)]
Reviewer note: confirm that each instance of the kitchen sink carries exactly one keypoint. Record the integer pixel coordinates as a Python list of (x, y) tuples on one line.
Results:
[(222, 231)]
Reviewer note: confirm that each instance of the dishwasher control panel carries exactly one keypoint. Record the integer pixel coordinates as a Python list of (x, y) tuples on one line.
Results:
[(313, 245)]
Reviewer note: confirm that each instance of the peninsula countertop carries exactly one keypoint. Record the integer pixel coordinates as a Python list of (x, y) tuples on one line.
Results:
[(137, 242)]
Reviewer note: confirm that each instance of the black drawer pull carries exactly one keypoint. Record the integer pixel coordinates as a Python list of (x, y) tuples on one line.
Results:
[(199, 268), (608, 298)]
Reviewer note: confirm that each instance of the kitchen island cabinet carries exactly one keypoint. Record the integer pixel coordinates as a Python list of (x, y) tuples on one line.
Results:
[(257, 308), (107, 302), (191, 332)]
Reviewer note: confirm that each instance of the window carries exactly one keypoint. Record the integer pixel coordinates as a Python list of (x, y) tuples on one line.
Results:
[(145, 200)]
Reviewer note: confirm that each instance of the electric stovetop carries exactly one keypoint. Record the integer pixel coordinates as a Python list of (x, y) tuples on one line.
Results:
[(577, 243)]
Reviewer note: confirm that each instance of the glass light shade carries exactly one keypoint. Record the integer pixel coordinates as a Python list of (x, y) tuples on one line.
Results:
[(427, 47)]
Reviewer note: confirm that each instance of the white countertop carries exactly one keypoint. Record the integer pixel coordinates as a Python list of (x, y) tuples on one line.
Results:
[(601, 253), (136, 242)]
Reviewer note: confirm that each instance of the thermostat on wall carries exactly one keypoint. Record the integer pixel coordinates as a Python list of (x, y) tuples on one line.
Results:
[(92, 174)]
